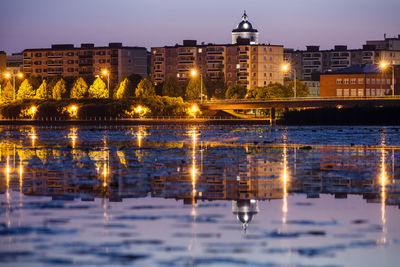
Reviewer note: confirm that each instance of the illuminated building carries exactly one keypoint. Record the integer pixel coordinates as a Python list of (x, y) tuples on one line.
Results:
[(358, 80), (86, 60), (244, 62)]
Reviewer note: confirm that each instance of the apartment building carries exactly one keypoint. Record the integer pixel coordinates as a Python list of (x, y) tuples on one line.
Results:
[(86, 60), (392, 43), (313, 61), (359, 80), (243, 63)]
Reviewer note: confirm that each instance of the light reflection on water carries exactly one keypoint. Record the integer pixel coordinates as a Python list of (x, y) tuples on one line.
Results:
[(278, 195)]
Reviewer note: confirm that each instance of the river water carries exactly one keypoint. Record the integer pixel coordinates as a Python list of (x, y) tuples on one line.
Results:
[(199, 196)]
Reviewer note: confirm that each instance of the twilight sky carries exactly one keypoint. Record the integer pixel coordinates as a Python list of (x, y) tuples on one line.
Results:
[(292, 23)]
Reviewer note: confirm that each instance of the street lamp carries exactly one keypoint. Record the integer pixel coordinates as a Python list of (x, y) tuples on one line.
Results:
[(107, 73), (8, 75), (194, 73), (286, 68), (383, 65)]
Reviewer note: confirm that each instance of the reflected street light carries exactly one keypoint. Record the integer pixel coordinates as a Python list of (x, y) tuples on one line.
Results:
[(194, 73), (105, 72), (8, 75), (286, 68), (383, 65)]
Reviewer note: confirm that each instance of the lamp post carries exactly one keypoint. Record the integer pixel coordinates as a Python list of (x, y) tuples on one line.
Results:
[(107, 73), (194, 73), (383, 65), (286, 68), (8, 75)]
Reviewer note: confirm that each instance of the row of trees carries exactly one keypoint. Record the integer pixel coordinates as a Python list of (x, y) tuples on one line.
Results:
[(134, 86), (272, 90)]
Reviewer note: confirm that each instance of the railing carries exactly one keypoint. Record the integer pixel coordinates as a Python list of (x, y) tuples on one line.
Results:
[(144, 119)]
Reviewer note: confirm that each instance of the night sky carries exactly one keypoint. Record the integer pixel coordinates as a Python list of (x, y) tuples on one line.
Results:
[(292, 23)]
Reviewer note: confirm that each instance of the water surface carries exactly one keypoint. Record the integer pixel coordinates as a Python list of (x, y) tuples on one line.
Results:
[(199, 196)]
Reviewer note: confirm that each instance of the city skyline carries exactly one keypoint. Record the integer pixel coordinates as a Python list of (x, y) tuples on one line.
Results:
[(24, 24)]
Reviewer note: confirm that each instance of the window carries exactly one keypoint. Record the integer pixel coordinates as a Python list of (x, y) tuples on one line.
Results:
[(345, 92), (270, 58), (346, 81), (265, 57), (200, 50), (353, 80), (353, 92), (254, 74), (265, 66), (254, 49), (373, 82), (270, 75), (388, 81), (254, 57), (368, 81), (265, 75), (367, 92), (338, 81), (265, 83), (360, 80), (270, 49), (378, 81), (339, 92)]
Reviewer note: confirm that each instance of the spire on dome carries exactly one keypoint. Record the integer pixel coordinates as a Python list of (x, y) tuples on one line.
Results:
[(245, 17)]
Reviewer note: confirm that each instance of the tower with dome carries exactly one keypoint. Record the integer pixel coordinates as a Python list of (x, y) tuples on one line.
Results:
[(245, 31)]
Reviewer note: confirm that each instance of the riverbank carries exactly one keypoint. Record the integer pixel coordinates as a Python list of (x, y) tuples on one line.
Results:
[(143, 121)]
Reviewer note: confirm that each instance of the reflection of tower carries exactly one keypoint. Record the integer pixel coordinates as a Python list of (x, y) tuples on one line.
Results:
[(245, 210)]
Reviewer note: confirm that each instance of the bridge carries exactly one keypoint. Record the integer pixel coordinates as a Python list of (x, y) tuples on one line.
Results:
[(301, 102)]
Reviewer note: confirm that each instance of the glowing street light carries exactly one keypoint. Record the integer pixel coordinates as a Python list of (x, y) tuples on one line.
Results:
[(194, 74), (73, 111), (383, 65), (286, 68), (105, 72), (8, 75)]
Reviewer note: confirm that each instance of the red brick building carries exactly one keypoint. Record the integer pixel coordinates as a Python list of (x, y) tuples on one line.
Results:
[(359, 81)]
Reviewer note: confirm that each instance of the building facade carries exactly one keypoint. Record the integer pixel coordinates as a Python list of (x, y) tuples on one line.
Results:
[(86, 60), (358, 81), (387, 43), (313, 61), (245, 64)]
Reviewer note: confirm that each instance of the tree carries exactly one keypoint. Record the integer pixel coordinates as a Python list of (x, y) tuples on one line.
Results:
[(98, 89), (216, 88), (145, 88), (134, 80), (172, 88), (59, 89), (193, 89), (43, 91), (124, 89), (302, 89), (276, 90), (25, 90), (79, 88), (258, 92), (7, 94), (235, 92)]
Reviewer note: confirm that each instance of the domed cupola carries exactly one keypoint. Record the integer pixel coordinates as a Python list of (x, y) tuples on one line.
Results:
[(245, 31)]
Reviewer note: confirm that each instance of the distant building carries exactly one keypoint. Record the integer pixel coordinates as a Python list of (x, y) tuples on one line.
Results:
[(386, 43), (244, 30), (67, 60), (15, 63), (245, 64), (314, 87), (358, 80), (310, 63), (3, 62)]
